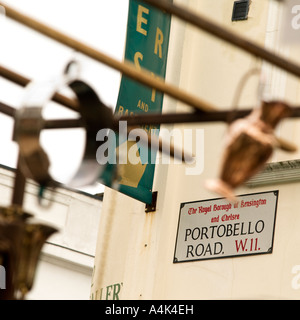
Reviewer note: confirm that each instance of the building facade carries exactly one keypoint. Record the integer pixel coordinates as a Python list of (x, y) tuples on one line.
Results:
[(135, 254)]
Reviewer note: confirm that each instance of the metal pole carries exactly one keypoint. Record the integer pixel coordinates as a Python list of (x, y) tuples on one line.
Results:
[(149, 119), (23, 82), (19, 187), (127, 68)]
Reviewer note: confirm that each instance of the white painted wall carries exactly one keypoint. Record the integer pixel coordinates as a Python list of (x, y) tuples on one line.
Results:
[(60, 281)]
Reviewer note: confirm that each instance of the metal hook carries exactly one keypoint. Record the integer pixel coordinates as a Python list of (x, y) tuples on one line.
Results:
[(240, 87)]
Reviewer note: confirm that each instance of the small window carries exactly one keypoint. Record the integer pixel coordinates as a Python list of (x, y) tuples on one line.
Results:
[(240, 10)]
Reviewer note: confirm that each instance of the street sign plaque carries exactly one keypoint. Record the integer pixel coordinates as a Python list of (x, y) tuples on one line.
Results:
[(216, 228)]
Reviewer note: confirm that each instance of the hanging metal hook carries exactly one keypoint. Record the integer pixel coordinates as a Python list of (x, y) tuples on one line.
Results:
[(238, 92)]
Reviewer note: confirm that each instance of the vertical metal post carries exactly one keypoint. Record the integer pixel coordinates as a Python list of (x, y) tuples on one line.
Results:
[(19, 187)]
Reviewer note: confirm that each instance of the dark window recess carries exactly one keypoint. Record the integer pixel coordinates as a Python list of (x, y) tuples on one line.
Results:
[(240, 10)]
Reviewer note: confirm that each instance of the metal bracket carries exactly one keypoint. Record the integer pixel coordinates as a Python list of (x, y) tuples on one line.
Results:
[(152, 206)]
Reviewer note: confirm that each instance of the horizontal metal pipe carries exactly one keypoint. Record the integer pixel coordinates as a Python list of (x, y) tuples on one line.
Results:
[(194, 117), (126, 68), (23, 82), (7, 110), (149, 119), (49, 124)]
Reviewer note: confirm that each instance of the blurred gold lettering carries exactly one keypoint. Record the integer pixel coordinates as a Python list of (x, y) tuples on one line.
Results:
[(138, 56), (159, 39), (141, 20)]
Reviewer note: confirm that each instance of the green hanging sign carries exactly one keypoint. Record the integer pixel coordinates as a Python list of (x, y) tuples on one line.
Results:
[(147, 42)]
